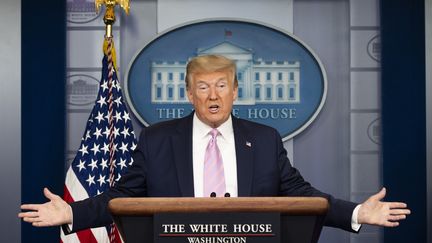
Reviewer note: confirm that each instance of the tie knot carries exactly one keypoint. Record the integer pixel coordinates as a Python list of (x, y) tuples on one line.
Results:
[(214, 132)]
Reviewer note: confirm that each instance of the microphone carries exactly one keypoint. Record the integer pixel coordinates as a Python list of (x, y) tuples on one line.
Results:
[(227, 194), (213, 194)]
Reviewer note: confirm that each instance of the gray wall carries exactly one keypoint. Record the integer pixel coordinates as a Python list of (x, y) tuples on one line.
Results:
[(10, 113)]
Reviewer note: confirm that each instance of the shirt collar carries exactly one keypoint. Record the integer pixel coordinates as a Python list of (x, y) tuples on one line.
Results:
[(201, 130)]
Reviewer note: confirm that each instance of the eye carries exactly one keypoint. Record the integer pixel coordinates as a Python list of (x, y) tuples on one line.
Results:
[(202, 87), (221, 85)]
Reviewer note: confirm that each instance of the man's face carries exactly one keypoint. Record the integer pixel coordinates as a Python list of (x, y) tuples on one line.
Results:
[(212, 95)]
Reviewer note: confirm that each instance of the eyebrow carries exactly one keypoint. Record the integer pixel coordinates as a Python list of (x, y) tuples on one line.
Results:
[(201, 82), (222, 79), (206, 82)]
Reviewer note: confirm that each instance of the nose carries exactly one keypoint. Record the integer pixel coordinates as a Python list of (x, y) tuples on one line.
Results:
[(213, 93)]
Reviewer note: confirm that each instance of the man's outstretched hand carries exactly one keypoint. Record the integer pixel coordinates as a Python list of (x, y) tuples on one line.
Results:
[(53, 213), (375, 212)]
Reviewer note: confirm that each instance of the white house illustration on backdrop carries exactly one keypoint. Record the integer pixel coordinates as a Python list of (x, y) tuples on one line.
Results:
[(260, 81)]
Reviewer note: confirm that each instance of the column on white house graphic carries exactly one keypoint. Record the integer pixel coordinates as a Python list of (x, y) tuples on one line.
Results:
[(168, 82), (276, 81)]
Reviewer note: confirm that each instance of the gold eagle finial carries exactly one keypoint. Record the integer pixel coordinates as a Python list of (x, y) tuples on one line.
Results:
[(111, 3), (109, 17)]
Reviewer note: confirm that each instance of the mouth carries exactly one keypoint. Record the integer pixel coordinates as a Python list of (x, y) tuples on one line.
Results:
[(213, 108)]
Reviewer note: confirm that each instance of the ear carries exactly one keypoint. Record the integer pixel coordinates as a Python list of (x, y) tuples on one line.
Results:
[(190, 95), (235, 93)]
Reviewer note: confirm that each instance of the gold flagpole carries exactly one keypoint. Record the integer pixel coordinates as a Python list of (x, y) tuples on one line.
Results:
[(109, 53), (109, 17)]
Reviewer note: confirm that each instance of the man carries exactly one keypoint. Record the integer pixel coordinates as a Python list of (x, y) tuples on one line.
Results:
[(210, 152)]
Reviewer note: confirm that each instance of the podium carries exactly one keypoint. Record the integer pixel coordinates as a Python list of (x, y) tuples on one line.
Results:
[(301, 218)]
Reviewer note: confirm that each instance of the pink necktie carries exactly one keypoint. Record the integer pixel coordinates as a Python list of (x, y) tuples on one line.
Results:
[(214, 176)]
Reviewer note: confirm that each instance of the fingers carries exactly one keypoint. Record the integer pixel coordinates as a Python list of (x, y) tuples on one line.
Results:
[(28, 214), (396, 217), (400, 211), (36, 218), (391, 224), (33, 207), (31, 219), (37, 222), (393, 220), (397, 205)]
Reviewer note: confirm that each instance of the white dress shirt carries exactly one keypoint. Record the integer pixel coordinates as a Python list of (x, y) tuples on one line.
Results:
[(226, 144)]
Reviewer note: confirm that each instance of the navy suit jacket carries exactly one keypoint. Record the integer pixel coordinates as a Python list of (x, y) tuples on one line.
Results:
[(163, 168)]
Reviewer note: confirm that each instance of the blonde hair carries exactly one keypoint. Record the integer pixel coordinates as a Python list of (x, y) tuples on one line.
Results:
[(210, 64)]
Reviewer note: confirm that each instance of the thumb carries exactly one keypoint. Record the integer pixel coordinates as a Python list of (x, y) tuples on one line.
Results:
[(380, 195), (48, 194)]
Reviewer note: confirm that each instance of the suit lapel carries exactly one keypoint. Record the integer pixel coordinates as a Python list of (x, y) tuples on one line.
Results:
[(182, 148), (244, 154)]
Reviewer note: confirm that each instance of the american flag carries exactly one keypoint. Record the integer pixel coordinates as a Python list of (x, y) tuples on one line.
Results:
[(105, 149)]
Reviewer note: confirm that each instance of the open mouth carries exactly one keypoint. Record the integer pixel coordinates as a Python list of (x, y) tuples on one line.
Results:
[(214, 108)]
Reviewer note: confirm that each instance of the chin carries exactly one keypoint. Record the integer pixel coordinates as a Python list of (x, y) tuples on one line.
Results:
[(218, 122)]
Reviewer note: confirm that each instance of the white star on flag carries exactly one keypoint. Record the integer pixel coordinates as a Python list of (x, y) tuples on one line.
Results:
[(101, 101)]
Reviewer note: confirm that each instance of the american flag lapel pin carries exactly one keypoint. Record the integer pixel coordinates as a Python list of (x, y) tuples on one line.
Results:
[(248, 144)]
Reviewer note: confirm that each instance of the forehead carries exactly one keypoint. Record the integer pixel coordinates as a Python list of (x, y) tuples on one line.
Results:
[(211, 77)]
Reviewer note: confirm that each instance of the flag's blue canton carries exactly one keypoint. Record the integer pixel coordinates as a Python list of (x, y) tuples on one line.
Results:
[(91, 164)]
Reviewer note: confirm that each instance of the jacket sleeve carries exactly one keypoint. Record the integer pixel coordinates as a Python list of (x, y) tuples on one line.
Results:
[(292, 184)]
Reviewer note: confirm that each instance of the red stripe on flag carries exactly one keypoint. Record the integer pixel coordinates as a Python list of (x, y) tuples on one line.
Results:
[(67, 196), (86, 236), (117, 236)]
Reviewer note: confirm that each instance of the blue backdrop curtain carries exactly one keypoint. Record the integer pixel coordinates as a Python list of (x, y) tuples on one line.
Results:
[(43, 106), (404, 114)]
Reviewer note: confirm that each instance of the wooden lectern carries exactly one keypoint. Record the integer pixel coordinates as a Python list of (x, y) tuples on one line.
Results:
[(301, 218)]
